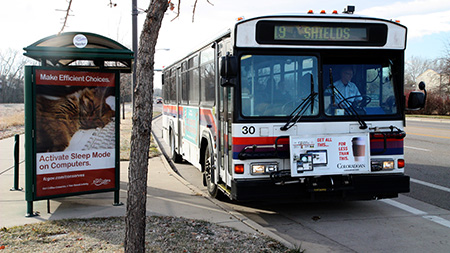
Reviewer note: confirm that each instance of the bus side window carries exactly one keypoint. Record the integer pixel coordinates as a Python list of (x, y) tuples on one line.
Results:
[(184, 84), (193, 80), (207, 77), (172, 86)]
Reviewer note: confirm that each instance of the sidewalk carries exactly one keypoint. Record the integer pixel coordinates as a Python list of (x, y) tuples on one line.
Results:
[(168, 195)]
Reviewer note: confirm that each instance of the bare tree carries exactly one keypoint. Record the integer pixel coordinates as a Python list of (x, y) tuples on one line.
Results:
[(142, 126), (414, 67), (445, 69), (445, 60), (12, 76)]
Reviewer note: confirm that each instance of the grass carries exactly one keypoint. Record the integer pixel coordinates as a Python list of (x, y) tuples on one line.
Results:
[(125, 138), (12, 121)]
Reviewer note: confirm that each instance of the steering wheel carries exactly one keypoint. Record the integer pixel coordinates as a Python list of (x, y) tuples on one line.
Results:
[(358, 104)]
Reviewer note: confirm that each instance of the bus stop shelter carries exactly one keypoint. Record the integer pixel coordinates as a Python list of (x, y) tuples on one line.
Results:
[(82, 71)]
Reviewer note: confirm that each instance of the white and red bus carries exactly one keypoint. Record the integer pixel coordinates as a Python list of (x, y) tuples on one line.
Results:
[(294, 106)]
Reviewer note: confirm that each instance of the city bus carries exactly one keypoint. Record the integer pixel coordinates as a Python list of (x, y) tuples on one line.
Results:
[(304, 106)]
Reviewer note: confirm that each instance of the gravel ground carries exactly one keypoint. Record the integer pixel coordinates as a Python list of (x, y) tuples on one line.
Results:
[(163, 234)]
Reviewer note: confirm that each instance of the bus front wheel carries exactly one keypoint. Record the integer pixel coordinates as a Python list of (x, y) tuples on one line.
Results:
[(208, 172)]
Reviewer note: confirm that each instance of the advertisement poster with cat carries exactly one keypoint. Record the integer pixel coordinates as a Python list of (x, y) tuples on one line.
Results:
[(74, 131)]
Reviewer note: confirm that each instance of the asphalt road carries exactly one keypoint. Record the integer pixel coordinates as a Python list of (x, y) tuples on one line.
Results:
[(427, 156), (404, 224)]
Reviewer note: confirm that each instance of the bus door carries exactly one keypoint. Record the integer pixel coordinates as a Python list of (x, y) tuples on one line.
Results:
[(226, 116), (225, 120), (222, 131)]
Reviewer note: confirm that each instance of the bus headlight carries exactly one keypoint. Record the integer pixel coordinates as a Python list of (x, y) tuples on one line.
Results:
[(388, 165), (378, 165), (263, 168)]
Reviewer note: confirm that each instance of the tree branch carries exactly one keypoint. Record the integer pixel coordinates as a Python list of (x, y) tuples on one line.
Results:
[(193, 11), (195, 7), (65, 18), (178, 10)]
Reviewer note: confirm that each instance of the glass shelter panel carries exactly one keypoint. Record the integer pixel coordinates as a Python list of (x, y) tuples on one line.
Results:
[(274, 85)]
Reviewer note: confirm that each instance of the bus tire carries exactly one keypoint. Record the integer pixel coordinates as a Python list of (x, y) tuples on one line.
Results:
[(173, 153), (208, 172)]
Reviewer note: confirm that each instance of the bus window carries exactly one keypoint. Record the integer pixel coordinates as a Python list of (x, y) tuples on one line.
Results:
[(184, 84), (173, 86), (193, 81), (273, 86), (207, 90), (166, 88), (367, 88)]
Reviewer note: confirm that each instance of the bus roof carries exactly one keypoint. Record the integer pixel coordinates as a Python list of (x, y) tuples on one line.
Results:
[(320, 16)]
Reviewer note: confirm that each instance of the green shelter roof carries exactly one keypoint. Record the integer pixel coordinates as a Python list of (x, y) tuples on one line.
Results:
[(96, 51)]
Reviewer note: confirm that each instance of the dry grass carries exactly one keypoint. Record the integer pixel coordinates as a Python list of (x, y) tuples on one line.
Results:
[(163, 234), (125, 139), (12, 121)]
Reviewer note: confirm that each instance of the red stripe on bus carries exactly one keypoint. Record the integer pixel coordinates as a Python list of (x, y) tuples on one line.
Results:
[(258, 140)]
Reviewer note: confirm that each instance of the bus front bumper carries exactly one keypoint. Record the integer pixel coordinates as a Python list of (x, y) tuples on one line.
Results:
[(352, 187)]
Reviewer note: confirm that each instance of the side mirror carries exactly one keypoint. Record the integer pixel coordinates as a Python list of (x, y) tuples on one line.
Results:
[(162, 79), (417, 99), (228, 71)]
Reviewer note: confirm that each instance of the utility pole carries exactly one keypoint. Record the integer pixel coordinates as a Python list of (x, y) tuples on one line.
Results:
[(134, 14)]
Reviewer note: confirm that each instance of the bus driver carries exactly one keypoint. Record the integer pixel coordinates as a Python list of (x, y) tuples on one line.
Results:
[(346, 87), (347, 90)]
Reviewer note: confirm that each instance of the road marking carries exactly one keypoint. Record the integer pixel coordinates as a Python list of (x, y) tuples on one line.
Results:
[(421, 149), (409, 209), (429, 135), (435, 186), (438, 220)]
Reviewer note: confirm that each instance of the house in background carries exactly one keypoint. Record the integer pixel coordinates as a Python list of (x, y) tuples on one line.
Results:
[(433, 80)]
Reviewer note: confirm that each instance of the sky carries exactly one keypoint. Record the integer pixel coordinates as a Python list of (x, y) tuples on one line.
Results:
[(27, 21)]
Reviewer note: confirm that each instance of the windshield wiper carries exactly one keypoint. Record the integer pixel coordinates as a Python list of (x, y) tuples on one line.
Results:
[(300, 110), (348, 107)]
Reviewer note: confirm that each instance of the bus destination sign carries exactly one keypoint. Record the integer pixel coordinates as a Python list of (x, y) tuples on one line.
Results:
[(319, 33)]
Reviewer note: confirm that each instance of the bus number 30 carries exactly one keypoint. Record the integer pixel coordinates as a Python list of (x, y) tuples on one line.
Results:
[(248, 130)]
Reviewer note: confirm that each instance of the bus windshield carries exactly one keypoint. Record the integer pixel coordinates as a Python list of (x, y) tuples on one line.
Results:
[(274, 85)]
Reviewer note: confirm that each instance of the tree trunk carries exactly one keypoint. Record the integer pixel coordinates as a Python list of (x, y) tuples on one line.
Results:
[(141, 133)]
